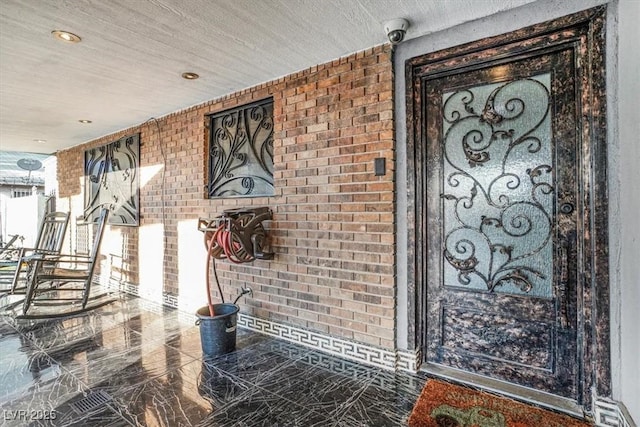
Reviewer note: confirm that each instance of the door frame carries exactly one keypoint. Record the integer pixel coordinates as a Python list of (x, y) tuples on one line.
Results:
[(593, 300)]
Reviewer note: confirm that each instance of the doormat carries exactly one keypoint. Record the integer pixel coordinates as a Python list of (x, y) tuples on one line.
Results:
[(446, 405)]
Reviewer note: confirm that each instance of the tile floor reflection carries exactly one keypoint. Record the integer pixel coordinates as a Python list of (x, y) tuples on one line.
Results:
[(143, 364)]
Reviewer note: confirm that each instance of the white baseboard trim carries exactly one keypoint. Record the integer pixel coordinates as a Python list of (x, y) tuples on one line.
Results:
[(351, 350), (403, 360), (609, 413), (408, 361)]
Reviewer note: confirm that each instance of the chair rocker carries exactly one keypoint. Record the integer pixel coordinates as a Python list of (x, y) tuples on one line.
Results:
[(52, 278), (48, 246)]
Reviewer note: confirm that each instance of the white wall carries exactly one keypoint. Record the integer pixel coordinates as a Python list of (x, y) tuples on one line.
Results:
[(623, 98), (50, 175), (625, 231), (23, 216)]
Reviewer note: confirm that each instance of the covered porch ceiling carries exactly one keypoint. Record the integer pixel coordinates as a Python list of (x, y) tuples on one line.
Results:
[(128, 66)]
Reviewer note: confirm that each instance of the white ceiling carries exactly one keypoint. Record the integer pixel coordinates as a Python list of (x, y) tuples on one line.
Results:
[(127, 67)]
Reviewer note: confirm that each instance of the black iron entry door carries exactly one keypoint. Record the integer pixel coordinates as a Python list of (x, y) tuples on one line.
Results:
[(499, 139)]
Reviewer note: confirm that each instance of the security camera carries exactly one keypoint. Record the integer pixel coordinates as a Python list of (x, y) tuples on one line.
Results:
[(396, 29)]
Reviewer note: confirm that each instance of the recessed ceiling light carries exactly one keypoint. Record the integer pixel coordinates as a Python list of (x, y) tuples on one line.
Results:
[(41, 141), (189, 75), (85, 121), (66, 36)]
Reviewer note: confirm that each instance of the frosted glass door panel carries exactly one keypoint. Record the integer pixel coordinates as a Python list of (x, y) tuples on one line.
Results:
[(498, 187)]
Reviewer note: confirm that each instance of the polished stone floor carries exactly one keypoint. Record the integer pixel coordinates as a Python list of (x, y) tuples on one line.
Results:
[(134, 363)]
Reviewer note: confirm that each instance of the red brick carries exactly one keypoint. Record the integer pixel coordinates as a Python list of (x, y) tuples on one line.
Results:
[(333, 227)]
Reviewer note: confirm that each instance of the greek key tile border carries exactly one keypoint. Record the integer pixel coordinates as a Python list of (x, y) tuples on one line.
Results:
[(409, 361), (608, 413), (349, 350), (403, 360)]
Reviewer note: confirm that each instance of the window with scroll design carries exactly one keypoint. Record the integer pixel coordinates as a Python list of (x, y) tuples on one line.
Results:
[(240, 156), (111, 177)]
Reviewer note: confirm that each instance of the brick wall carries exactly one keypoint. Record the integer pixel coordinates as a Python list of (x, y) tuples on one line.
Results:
[(333, 227)]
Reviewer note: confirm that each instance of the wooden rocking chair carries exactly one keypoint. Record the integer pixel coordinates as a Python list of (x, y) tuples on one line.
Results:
[(48, 245), (51, 278)]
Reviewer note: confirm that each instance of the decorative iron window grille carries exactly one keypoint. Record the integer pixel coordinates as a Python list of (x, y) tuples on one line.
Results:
[(111, 178), (241, 151)]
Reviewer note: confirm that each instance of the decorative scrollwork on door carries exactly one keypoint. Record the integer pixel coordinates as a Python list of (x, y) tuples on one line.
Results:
[(498, 187)]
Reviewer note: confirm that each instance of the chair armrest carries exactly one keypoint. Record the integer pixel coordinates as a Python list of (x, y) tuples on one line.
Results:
[(34, 251), (64, 258)]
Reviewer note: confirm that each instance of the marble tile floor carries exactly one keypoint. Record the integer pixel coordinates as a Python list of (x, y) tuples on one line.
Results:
[(135, 363)]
